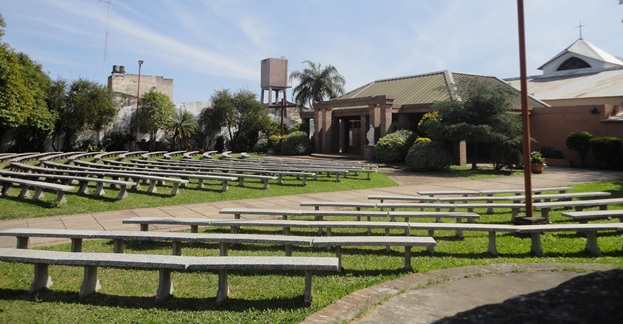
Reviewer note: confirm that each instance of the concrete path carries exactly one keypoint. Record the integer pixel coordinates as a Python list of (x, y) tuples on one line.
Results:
[(411, 307)]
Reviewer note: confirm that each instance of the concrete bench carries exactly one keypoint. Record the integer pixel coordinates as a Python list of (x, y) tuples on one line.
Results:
[(190, 154), (460, 227), (382, 198), (318, 204), (536, 198), (39, 186), (407, 241), (150, 155), (153, 180), (514, 207), (80, 155), (224, 179), (25, 157), (130, 154), (83, 182), (590, 230), (104, 155), (434, 193), (521, 198), (170, 155), (286, 225), (585, 216), (578, 205), (119, 238), (209, 154), (165, 264), (421, 206), (522, 191)]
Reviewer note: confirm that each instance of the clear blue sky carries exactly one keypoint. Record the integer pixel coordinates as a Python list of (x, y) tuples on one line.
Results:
[(207, 45)]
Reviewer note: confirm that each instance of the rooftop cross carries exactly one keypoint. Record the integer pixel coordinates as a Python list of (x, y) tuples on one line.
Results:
[(580, 27)]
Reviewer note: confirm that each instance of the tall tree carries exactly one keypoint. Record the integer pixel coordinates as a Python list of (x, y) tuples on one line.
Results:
[(86, 105), (23, 86), (479, 114), (156, 113), (243, 117), (184, 126), (212, 119), (250, 119), (316, 83)]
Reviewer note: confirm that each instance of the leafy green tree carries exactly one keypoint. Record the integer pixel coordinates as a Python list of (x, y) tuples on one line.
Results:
[(247, 121), (481, 115), (184, 126), (212, 119), (83, 105), (156, 113), (316, 83), (23, 86)]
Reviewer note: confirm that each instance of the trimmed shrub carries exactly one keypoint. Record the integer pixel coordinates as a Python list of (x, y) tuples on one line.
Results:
[(261, 146), (274, 143), (607, 150), (393, 147), (428, 156), (580, 142), (296, 143)]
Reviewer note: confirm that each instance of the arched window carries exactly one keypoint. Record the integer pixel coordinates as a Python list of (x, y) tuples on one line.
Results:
[(573, 63)]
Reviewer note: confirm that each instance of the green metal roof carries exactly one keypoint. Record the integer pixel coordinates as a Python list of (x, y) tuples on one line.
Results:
[(418, 89), (421, 89)]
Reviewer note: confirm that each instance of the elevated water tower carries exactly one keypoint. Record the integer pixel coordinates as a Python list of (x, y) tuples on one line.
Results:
[(275, 81)]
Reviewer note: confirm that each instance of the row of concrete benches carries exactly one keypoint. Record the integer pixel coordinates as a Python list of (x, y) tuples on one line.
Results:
[(165, 264), (224, 240), (544, 207), (534, 230)]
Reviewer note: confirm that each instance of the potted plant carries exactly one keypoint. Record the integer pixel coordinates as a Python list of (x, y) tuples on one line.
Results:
[(538, 162)]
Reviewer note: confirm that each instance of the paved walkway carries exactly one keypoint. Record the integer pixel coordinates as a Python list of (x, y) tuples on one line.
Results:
[(112, 221)]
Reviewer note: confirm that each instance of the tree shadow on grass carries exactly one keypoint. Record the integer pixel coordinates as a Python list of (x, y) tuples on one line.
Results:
[(147, 302)]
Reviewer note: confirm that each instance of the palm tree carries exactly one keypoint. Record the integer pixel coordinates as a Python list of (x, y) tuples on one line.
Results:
[(316, 83), (184, 125)]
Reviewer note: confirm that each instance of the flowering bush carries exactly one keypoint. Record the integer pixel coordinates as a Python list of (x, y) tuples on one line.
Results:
[(537, 158)]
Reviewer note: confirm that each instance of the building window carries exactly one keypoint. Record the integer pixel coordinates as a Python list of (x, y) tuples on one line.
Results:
[(573, 63)]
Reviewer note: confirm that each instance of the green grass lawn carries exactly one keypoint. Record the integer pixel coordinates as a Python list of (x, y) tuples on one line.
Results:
[(269, 297), (16, 208)]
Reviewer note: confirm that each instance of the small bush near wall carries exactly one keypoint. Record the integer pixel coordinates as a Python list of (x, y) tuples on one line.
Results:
[(428, 156), (296, 143), (393, 147), (580, 142), (607, 150), (261, 146)]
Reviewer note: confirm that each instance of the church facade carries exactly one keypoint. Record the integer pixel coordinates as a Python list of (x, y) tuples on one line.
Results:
[(581, 89)]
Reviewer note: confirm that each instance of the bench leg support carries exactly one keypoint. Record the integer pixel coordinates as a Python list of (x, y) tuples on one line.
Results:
[(123, 192), (591, 243), (492, 244), (41, 280), (307, 294), (90, 283), (117, 246), (22, 242), (536, 248), (76, 245), (165, 286), (408, 258), (223, 287)]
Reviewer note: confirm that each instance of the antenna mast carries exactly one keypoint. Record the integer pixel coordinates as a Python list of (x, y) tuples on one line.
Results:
[(105, 39)]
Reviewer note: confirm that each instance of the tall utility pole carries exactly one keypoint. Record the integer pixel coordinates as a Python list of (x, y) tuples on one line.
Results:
[(138, 99), (527, 169)]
